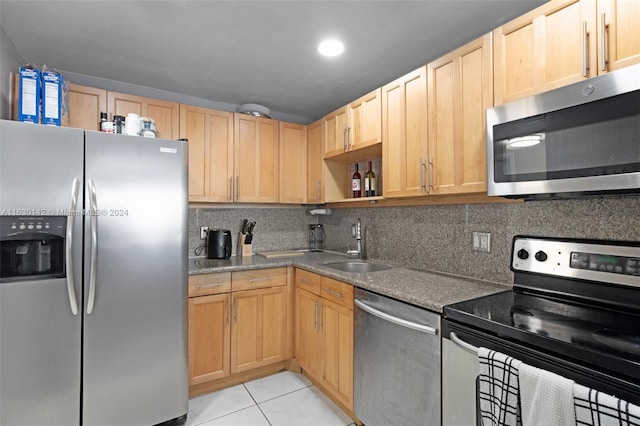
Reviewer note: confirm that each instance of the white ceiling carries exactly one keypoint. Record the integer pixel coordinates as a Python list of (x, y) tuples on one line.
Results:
[(249, 51)]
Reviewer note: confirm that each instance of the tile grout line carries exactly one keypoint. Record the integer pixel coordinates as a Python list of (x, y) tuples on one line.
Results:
[(286, 393), (256, 404)]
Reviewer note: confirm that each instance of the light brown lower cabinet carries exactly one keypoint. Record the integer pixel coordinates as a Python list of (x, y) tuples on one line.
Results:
[(209, 338), (237, 322), (258, 333), (324, 333)]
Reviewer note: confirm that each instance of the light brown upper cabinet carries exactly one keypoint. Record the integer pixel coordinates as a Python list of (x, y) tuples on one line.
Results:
[(563, 42), (355, 126), (459, 92), (166, 114), (315, 164), (293, 163), (620, 36), (404, 134), (210, 135), (85, 105), (256, 159)]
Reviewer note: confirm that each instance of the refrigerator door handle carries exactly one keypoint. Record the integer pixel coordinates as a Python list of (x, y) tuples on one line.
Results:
[(71, 215), (93, 212)]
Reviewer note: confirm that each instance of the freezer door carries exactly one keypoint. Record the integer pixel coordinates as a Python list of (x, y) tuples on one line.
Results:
[(39, 334), (135, 344)]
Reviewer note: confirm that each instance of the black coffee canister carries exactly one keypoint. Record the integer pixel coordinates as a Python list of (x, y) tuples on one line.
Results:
[(219, 244)]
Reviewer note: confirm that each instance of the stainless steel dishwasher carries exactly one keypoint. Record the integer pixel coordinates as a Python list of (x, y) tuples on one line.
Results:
[(396, 362)]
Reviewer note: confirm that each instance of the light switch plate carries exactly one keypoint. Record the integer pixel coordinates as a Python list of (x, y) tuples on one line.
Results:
[(481, 242)]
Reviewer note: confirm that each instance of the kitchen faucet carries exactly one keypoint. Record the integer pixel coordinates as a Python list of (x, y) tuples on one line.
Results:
[(356, 232)]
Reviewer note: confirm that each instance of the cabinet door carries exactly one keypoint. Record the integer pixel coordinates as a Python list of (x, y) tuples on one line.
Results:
[(337, 376), (315, 163), (549, 47), (365, 117), (293, 163), (166, 114), (335, 126), (621, 36), (259, 330), (85, 105), (460, 90), (308, 335), (404, 129), (210, 135), (209, 338), (256, 159)]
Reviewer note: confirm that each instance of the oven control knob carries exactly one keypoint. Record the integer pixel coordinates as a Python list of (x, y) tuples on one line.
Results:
[(541, 256), (523, 254)]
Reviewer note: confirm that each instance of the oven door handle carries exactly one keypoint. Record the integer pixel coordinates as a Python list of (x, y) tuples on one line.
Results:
[(461, 343), (398, 321), (71, 215)]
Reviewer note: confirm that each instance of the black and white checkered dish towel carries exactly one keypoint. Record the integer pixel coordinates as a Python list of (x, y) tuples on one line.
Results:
[(594, 408), (499, 389)]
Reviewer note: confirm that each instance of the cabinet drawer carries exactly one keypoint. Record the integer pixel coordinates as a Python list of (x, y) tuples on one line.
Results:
[(308, 281), (260, 278), (202, 285), (337, 291)]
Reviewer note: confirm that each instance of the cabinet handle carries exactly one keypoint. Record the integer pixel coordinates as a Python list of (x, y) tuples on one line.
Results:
[(306, 281), (211, 285), (230, 188), (315, 314), (235, 310), (420, 165), (318, 190), (228, 308), (344, 138), (319, 315), (237, 188), (348, 138), (429, 165), (585, 50), (603, 40), (335, 293), (255, 280)]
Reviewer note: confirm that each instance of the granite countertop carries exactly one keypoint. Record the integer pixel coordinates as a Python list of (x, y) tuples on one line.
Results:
[(427, 289)]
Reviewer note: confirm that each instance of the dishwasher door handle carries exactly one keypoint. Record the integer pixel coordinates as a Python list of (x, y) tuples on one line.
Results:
[(398, 321)]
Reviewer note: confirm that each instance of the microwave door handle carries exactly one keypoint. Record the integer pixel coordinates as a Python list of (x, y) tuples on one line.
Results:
[(93, 213), (71, 214)]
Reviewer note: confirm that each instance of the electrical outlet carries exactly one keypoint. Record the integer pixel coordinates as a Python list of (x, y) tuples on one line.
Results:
[(204, 230), (481, 242)]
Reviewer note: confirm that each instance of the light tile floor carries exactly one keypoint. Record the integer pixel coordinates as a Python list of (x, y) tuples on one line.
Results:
[(283, 399)]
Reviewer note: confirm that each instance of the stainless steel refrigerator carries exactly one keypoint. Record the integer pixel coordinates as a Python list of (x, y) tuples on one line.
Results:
[(93, 275)]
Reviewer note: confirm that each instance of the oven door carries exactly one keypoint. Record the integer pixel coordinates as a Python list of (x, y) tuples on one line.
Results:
[(577, 140), (460, 370)]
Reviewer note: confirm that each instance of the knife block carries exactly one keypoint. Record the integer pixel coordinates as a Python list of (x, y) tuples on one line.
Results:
[(244, 249)]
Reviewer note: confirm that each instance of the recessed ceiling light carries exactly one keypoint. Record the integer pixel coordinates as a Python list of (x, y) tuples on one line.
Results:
[(331, 47)]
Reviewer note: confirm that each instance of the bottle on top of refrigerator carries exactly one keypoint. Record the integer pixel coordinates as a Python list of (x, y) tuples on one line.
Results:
[(132, 124)]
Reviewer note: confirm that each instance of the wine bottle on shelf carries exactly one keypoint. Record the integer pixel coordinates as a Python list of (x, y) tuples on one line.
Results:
[(356, 184), (370, 183)]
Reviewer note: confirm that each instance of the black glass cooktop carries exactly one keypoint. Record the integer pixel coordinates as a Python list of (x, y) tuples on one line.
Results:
[(601, 337)]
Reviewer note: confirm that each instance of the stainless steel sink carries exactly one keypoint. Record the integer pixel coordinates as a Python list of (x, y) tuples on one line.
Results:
[(357, 266)]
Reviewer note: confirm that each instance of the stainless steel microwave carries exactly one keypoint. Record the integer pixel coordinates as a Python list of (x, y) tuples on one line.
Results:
[(581, 139)]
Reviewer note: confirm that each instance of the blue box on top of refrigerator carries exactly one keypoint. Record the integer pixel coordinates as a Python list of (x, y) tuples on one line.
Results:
[(93, 278)]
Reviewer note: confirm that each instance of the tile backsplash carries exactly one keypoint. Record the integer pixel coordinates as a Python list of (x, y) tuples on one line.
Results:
[(276, 228), (432, 237), (439, 237)]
